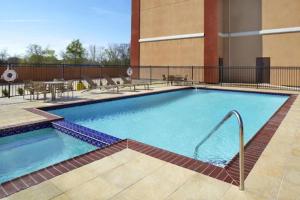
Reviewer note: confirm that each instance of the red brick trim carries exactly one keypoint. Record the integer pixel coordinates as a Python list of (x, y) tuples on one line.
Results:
[(50, 172), (230, 173), (135, 36), (259, 142), (182, 161), (211, 57), (47, 115)]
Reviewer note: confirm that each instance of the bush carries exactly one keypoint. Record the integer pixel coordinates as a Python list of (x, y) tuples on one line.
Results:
[(21, 91), (5, 93), (80, 86)]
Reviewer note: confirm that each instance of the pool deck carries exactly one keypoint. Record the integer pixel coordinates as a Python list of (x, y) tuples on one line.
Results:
[(132, 175)]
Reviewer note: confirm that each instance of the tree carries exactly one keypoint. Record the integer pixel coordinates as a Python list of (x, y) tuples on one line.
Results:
[(34, 54), (117, 54), (14, 59), (92, 54), (75, 53), (3, 55), (49, 56)]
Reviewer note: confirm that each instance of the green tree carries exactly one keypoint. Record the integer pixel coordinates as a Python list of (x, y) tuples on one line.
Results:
[(34, 53), (75, 53), (117, 54), (3, 55), (49, 56)]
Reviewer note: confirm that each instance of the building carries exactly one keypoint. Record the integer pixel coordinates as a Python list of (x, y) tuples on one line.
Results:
[(210, 33)]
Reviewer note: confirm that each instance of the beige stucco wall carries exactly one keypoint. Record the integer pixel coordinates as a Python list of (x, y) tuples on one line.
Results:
[(284, 49), (245, 50), (184, 52), (280, 13), (171, 17), (245, 15)]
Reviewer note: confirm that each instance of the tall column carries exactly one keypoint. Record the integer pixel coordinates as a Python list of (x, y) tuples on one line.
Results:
[(135, 36), (211, 29)]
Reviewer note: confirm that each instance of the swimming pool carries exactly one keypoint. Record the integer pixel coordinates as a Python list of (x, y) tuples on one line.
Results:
[(178, 121), (28, 152)]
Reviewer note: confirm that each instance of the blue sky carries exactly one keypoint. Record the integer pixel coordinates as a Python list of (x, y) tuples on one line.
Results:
[(55, 23)]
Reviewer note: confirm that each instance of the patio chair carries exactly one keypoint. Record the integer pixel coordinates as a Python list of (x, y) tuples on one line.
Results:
[(40, 88), (128, 83), (69, 87), (110, 84), (91, 84), (28, 86), (58, 79), (184, 80), (66, 87)]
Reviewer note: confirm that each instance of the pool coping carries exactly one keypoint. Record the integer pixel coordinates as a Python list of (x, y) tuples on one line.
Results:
[(42, 175), (229, 174)]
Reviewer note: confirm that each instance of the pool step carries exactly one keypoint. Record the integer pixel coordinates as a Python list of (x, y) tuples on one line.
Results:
[(91, 136)]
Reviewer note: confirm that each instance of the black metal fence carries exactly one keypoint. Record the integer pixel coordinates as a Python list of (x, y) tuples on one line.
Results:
[(281, 78)]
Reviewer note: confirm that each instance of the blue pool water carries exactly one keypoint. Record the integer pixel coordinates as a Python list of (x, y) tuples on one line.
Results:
[(178, 121), (25, 153)]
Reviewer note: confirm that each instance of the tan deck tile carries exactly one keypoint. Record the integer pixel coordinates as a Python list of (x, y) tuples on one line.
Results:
[(123, 176), (62, 197), (126, 155), (160, 184), (43, 191), (94, 189), (288, 191), (72, 179), (102, 166), (235, 194), (201, 187)]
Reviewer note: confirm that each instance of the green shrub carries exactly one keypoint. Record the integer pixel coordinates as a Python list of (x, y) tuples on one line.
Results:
[(5, 93), (21, 91)]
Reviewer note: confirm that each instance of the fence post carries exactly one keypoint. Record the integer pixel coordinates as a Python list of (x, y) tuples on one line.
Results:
[(80, 73), (63, 71), (9, 90), (193, 73), (221, 75), (150, 75)]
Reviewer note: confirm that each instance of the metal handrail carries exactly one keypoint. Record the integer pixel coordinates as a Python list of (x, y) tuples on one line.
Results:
[(241, 134)]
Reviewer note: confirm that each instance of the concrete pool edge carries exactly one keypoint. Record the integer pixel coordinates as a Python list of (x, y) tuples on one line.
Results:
[(232, 167), (177, 159), (227, 174)]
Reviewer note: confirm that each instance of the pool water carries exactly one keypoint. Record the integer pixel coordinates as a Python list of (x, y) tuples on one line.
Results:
[(25, 153), (178, 121)]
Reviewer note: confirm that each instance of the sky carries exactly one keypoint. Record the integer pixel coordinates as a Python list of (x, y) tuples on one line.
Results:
[(55, 23)]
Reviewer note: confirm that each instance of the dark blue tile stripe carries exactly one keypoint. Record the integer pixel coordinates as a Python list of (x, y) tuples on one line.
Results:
[(23, 129), (88, 135)]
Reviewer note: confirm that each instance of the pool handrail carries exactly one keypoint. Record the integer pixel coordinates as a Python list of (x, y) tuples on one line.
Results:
[(242, 148)]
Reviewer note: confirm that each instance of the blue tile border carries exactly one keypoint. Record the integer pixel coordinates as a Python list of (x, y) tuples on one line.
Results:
[(90, 136), (23, 128)]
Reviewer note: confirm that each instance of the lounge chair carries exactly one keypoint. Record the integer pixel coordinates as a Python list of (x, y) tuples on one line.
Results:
[(28, 86), (128, 83), (40, 88), (177, 80), (91, 84), (110, 84), (66, 87)]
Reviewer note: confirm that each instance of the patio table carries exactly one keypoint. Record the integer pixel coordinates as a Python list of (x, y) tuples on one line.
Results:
[(53, 85)]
